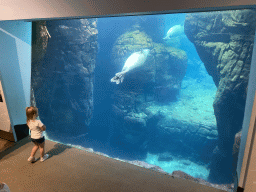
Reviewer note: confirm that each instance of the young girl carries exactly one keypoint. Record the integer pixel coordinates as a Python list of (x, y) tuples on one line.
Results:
[(36, 127)]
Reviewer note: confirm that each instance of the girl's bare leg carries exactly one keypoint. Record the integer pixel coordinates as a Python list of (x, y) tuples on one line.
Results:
[(34, 150), (41, 147)]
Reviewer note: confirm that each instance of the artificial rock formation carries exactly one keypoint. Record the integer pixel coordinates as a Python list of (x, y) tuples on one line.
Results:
[(159, 79), (40, 38), (224, 42), (62, 77)]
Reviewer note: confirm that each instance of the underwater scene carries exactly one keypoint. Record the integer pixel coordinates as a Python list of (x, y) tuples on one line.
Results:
[(165, 92)]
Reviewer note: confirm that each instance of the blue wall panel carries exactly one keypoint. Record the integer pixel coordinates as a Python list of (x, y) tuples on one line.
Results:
[(15, 67)]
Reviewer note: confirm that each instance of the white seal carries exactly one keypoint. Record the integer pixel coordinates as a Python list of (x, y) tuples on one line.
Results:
[(135, 60), (174, 31)]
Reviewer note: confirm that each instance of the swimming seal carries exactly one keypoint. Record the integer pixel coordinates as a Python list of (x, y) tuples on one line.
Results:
[(174, 31), (135, 60)]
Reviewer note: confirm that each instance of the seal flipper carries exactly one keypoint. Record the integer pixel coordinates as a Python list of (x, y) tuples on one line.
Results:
[(119, 77)]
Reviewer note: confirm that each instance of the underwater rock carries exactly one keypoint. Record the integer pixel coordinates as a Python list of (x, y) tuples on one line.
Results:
[(102, 154), (40, 38), (235, 152), (142, 23), (181, 135), (63, 80), (89, 150), (224, 42), (237, 142), (148, 166), (184, 175), (181, 174), (163, 71), (160, 79), (137, 122), (170, 69), (133, 130), (119, 113), (165, 157)]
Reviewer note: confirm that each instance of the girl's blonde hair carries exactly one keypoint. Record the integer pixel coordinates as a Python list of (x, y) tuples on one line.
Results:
[(30, 112)]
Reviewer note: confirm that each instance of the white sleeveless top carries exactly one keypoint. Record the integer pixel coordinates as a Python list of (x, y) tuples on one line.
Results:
[(36, 132)]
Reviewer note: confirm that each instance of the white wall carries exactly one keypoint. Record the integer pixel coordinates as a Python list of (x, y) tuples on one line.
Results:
[(5, 124), (15, 67)]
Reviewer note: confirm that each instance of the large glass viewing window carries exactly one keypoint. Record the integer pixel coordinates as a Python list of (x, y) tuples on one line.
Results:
[(163, 91)]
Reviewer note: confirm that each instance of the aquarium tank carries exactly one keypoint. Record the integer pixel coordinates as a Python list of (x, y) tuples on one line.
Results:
[(165, 92)]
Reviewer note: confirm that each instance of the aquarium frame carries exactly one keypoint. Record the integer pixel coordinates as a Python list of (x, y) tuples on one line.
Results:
[(34, 10), (246, 168)]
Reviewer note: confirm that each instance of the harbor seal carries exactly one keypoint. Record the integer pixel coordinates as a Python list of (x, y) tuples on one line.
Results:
[(135, 60), (174, 31)]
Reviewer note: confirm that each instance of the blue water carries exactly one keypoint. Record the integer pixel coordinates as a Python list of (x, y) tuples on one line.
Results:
[(101, 128)]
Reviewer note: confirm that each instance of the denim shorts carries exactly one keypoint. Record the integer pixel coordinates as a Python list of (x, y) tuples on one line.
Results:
[(38, 141)]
